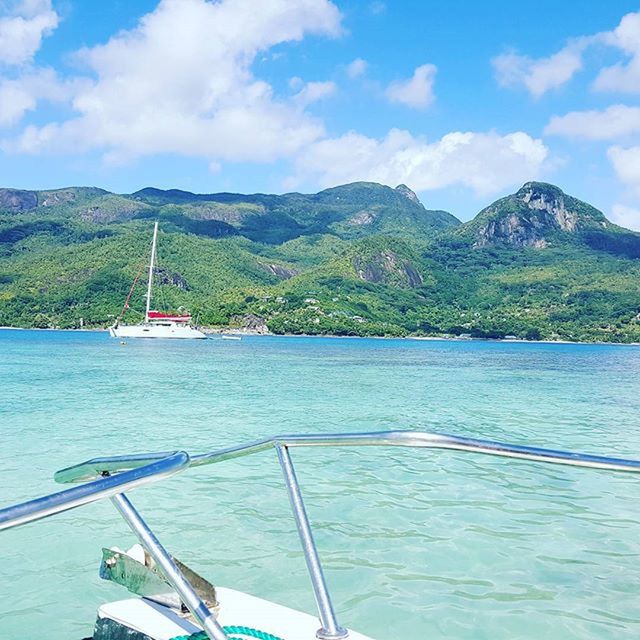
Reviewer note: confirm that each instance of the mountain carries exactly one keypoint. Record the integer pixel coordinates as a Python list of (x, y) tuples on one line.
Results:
[(349, 211), (357, 259), (541, 215)]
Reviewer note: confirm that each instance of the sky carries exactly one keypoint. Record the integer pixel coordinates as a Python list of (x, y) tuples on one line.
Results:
[(462, 101)]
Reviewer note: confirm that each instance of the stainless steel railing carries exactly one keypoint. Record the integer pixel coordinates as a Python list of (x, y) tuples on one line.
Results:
[(138, 469), (330, 628), (108, 485), (420, 439), (113, 486)]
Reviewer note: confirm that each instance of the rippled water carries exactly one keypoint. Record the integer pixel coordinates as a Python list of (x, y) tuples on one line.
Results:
[(416, 544)]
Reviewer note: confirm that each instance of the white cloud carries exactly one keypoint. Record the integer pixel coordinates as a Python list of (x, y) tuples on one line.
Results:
[(377, 7), (314, 91), (626, 216), (542, 74), (181, 82), (22, 29), (19, 95), (617, 121), (622, 77), (357, 68), (626, 163), (417, 91), (14, 102), (484, 162), (539, 75)]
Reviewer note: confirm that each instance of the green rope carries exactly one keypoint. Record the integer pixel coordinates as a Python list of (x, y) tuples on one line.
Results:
[(245, 631)]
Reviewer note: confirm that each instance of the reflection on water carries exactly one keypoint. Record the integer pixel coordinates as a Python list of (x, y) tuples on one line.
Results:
[(415, 543)]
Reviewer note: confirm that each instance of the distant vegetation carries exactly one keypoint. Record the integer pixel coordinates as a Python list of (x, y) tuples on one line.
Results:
[(360, 259)]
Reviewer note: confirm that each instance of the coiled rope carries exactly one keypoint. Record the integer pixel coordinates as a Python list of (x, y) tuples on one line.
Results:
[(244, 631)]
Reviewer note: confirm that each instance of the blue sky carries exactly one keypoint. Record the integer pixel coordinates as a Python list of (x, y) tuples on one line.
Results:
[(463, 101)]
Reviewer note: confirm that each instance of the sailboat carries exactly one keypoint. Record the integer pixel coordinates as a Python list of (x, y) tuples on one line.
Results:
[(157, 324)]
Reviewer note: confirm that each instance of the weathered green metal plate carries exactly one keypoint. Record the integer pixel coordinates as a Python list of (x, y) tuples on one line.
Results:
[(145, 579)]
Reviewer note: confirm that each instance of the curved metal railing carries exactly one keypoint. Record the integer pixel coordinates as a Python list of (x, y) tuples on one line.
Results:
[(330, 628), (134, 470), (107, 486), (420, 439), (113, 486)]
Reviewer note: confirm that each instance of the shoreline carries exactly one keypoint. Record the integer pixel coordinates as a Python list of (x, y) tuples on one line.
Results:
[(253, 333)]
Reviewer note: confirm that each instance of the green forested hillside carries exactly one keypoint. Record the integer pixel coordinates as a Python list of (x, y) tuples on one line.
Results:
[(359, 259)]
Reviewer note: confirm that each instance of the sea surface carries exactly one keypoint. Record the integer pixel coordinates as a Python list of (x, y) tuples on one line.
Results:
[(415, 543)]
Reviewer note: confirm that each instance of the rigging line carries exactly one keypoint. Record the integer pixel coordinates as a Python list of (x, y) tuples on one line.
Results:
[(133, 286)]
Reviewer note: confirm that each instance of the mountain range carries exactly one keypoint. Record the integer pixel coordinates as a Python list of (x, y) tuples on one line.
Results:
[(357, 259)]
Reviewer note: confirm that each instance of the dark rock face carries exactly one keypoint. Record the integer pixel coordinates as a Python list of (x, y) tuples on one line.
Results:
[(549, 200), (517, 231), (15, 200), (164, 276), (414, 279), (281, 271), (229, 213), (387, 267), (362, 218), (53, 198), (106, 213), (251, 322)]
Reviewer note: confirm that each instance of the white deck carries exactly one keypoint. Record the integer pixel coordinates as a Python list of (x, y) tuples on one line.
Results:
[(236, 609)]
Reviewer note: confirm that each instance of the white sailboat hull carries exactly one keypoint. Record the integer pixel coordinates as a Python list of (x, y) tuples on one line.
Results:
[(171, 330)]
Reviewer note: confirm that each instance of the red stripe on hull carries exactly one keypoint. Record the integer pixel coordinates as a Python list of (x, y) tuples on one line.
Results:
[(158, 315)]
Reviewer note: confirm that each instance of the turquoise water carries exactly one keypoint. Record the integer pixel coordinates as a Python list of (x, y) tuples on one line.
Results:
[(416, 544)]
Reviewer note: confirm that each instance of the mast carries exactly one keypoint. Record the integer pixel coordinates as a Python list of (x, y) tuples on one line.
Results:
[(151, 263)]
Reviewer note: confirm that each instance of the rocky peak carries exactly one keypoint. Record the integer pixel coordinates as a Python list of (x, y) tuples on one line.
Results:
[(541, 196), (537, 190), (407, 193), (534, 216)]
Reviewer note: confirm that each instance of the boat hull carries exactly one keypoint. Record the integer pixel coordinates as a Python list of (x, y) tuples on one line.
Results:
[(169, 330), (143, 619)]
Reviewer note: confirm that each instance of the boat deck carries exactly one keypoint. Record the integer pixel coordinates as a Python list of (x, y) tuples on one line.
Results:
[(237, 609)]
